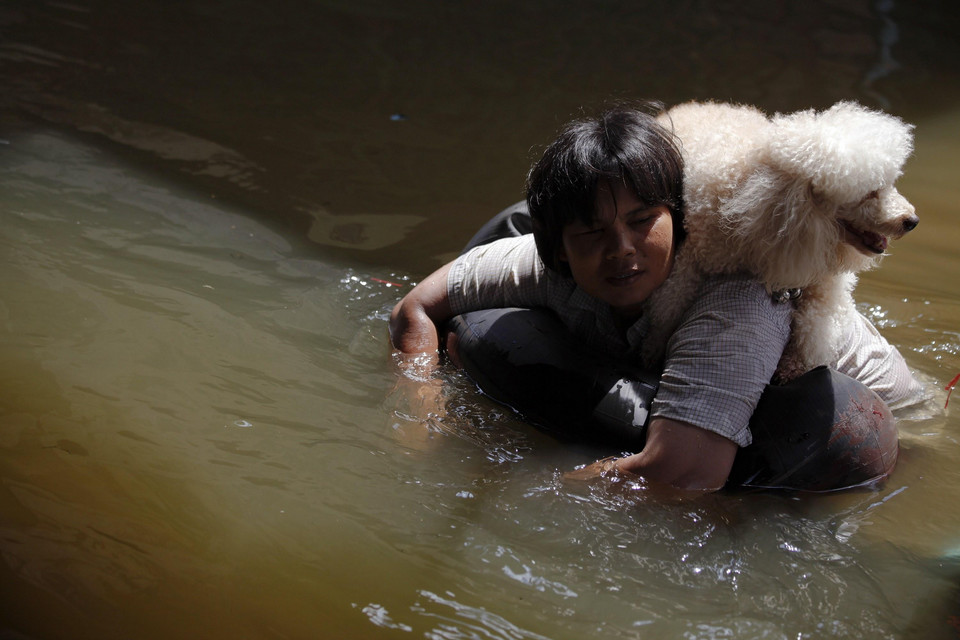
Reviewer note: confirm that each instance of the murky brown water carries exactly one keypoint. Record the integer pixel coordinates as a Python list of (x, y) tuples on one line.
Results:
[(200, 434)]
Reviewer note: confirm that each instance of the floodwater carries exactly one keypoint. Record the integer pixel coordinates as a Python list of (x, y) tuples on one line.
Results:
[(207, 209)]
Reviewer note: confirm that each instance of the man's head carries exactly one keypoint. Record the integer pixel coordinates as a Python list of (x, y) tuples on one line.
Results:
[(623, 145)]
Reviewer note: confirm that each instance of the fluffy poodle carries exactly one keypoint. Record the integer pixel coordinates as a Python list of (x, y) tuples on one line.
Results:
[(803, 201)]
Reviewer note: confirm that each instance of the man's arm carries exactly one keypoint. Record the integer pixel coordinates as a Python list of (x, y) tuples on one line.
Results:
[(682, 455), (503, 273), (414, 320), (718, 363), (676, 455)]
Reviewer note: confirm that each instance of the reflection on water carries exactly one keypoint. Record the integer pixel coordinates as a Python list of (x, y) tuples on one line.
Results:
[(207, 213)]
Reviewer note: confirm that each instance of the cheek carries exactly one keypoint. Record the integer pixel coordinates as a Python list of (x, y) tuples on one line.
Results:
[(660, 241)]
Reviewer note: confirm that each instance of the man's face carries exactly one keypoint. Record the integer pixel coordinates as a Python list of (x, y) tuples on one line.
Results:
[(625, 254)]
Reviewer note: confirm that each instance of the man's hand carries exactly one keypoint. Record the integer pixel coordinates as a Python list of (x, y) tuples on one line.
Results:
[(418, 401), (413, 332)]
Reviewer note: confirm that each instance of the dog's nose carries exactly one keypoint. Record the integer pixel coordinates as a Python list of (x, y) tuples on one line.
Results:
[(910, 223)]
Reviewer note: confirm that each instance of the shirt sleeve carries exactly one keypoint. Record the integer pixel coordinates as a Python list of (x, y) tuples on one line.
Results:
[(722, 356), (869, 358), (503, 273)]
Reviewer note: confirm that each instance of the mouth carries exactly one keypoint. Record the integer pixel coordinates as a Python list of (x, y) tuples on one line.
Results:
[(624, 278), (867, 242)]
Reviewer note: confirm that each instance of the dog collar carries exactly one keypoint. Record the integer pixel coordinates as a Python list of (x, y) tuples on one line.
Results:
[(783, 295)]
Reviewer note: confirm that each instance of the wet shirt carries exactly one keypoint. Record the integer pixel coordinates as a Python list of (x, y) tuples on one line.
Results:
[(717, 362)]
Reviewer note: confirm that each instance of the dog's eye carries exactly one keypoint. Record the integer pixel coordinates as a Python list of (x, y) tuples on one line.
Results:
[(873, 195)]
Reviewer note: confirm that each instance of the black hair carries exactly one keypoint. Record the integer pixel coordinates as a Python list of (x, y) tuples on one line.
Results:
[(623, 144)]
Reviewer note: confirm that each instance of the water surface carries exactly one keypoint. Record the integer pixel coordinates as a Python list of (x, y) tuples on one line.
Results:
[(208, 209)]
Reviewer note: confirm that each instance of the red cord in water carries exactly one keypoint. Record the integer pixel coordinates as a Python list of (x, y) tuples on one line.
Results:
[(949, 389), (387, 282)]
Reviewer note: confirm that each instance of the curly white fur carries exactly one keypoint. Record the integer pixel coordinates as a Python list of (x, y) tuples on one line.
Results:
[(801, 201)]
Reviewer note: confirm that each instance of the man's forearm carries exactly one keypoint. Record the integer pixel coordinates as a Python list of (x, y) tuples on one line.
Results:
[(414, 320)]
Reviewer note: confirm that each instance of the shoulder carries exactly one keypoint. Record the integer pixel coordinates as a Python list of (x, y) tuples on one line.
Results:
[(722, 355), (517, 254), (515, 245), (740, 298), (502, 273), (736, 314)]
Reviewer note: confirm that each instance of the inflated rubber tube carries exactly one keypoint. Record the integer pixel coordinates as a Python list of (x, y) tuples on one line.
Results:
[(823, 431), (524, 358)]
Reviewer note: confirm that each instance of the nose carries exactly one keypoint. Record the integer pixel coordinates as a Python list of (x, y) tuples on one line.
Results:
[(894, 203), (910, 222), (619, 243)]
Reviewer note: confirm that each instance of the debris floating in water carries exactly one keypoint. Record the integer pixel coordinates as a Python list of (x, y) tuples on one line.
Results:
[(949, 389)]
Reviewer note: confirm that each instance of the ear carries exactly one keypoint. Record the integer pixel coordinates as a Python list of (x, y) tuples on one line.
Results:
[(845, 151), (781, 232)]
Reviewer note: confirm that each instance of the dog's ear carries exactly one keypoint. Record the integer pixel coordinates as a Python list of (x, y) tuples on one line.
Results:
[(845, 151), (780, 232)]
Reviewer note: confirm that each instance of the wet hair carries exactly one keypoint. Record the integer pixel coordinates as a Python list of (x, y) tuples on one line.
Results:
[(621, 144)]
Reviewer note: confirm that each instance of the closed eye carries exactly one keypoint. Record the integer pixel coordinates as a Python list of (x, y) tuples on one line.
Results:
[(590, 232)]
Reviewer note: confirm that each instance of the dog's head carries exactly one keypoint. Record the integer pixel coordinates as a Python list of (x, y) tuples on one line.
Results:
[(824, 195), (851, 157)]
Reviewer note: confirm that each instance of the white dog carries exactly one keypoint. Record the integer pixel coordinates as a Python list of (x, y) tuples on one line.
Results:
[(802, 201)]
